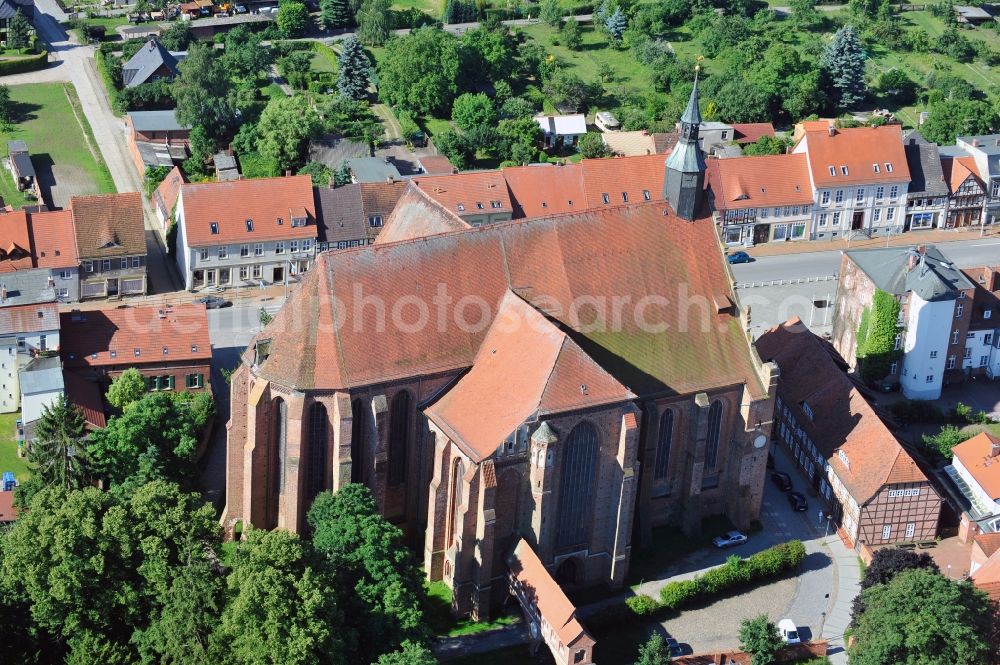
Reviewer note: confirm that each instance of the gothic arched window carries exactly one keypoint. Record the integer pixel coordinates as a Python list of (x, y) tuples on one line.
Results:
[(317, 451), (576, 485), (714, 432), (359, 440), (663, 439), (399, 437)]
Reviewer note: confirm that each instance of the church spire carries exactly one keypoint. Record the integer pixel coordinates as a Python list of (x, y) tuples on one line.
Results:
[(692, 114), (685, 168)]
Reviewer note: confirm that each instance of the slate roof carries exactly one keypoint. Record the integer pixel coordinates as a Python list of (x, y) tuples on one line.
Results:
[(146, 61), (538, 584), (95, 338), (156, 121), (24, 319), (550, 262), (9, 8), (933, 278), (41, 375), (339, 213), (975, 455), (842, 419), (858, 149), (540, 368), (986, 299), (373, 169), (22, 164), (417, 215), (109, 225), (230, 204), (924, 162), (760, 182), (25, 287)]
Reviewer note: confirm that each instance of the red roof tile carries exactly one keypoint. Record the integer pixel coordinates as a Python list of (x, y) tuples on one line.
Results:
[(468, 193), (528, 358), (54, 239), (857, 149), (957, 170), (987, 577), (546, 190), (168, 191), (556, 264), (538, 585), (988, 542), (21, 319), (749, 132), (978, 457), (760, 182), (417, 215), (86, 396), (436, 165), (114, 335), (109, 225), (8, 512), (15, 242), (230, 204), (842, 419)]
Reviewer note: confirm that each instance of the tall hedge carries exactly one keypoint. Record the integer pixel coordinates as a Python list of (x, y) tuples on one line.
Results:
[(22, 65), (876, 348)]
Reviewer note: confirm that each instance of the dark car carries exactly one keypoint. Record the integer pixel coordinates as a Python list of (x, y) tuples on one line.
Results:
[(675, 647), (782, 480), (797, 501), (214, 302), (739, 257)]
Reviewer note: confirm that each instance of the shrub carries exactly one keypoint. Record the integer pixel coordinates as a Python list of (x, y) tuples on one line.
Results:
[(22, 65), (642, 605), (675, 594)]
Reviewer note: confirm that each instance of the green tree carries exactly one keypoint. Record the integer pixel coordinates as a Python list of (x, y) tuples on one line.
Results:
[(245, 57), (759, 637), (319, 172), (127, 389), (374, 22), (768, 145), (335, 14), (177, 37), (293, 19), (412, 653), (6, 108), (616, 24), (804, 14), (204, 94), (18, 31), (844, 64), (419, 72), (355, 70), (456, 147), (654, 651), (57, 449), (572, 34), (281, 605), (592, 146), (940, 444), (897, 86), (285, 127), (521, 136), (473, 110), (740, 100), (922, 617), (567, 90), (489, 55), (885, 565), (550, 11), (346, 117), (369, 558), (950, 118)]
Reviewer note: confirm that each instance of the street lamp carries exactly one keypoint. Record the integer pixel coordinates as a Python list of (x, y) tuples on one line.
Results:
[(828, 526)]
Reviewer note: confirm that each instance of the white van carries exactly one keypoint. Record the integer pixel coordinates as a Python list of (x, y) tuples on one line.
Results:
[(789, 633)]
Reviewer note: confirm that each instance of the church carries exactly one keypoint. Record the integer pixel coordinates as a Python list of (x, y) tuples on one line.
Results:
[(556, 386)]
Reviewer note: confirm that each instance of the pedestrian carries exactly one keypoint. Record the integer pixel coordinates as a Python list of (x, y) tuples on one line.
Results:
[(820, 522)]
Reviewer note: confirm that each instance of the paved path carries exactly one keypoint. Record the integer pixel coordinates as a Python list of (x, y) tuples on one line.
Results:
[(276, 78)]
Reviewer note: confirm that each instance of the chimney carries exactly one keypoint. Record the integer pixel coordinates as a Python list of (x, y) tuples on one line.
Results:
[(831, 130), (912, 261), (390, 180), (975, 143), (994, 449), (921, 249)]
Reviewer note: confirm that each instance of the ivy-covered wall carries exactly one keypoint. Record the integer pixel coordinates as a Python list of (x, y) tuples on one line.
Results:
[(877, 337)]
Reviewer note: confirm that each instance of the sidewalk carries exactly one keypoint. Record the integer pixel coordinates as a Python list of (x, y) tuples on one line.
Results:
[(848, 573), (910, 238), (243, 296)]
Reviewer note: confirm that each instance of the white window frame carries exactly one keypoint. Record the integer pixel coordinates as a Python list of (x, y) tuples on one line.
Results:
[(258, 249)]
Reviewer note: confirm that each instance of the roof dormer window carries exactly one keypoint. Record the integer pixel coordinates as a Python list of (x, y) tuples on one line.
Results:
[(605, 198), (138, 352), (888, 167), (165, 351), (461, 207), (833, 171), (214, 228), (645, 196), (281, 222), (843, 170), (624, 197), (249, 225), (875, 168), (479, 205)]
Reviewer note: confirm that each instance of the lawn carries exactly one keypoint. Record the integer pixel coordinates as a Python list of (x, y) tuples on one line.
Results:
[(9, 461), (432, 7), (441, 621), (49, 119)]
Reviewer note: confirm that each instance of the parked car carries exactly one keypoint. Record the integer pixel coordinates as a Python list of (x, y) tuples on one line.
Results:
[(214, 302), (240, 9), (675, 648), (789, 632), (798, 501), (730, 539), (782, 480), (739, 257)]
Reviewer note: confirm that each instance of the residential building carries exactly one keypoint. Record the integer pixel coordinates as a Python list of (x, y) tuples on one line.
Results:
[(714, 135), (984, 546), (762, 199), (935, 310), (478, 197), (8, 8), (416, 216), (859, 179), (871, 486), (156, 138), (637, 143), (435, 165), (927, 195), (111, 244), (373, 169), (966, 192), (985, 151), (532, 422), (26, 331), (151, 63), (981, 354), (166, 194), (975, 470), (169, 345), (352, 215), (40, 263), (41, 383), (245, 232), (560, 131)]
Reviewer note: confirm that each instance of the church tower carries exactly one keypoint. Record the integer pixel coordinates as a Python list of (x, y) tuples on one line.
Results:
[(685, 176)]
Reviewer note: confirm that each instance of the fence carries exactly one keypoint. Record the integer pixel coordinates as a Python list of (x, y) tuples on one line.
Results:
[(786, 282)]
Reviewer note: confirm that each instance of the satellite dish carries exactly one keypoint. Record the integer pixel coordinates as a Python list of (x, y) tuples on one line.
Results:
[(760, 441)]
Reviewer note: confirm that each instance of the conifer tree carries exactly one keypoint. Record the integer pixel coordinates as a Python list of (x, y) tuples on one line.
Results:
[(19, 31), (615, 24), (335, 14), (844, 65), (355, 70)]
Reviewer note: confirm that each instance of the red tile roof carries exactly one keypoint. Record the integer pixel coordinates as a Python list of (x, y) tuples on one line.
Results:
[(978, 457), (8, 512), (417, 215), (553, 605), (957, 170), (468, 193), (528, 358), (857, 149), (749, 132), (22, 319), (168, 191), (95, 338), (760, 182), (554, 263), (86, 396), (842, 419), (15, 242), (546, 190), (987, 577), (109, 225), (54, 238), (230, 204), (436, 165), (988, 542)]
